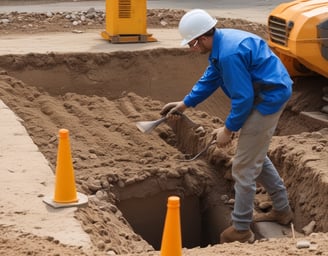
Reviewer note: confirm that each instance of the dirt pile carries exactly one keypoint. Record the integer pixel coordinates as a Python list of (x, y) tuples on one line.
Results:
[(128, 175), (14, 22)]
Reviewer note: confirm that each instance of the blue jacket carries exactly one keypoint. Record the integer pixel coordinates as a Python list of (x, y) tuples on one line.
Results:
[(248, 72)]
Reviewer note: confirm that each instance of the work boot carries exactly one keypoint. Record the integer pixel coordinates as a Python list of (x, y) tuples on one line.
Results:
[(231, 234), (280, 217)]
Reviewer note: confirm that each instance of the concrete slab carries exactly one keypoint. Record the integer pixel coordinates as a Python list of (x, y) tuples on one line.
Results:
[(90, 41), (25, 179)]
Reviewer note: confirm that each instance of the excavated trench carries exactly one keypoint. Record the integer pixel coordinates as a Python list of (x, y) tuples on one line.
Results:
[(199, 227), (100, 97)]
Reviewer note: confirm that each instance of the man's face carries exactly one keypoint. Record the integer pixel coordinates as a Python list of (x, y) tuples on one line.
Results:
[(199, 45)]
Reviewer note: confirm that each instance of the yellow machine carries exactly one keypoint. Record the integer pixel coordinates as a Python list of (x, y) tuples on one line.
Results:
[(298, 33), (126, 22)]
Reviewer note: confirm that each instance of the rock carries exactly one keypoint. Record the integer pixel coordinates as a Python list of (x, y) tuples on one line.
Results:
[(200, 130), (265, 205), (104, 182), (77, 31), (325, 98), (224, 198), (303, 244), (270, 230), (93, 184), (163, 23), (101, 245), (4, 21), (231, 201), (101, 195), (3, 72), (91, 13), (308, 229), (325, 109)]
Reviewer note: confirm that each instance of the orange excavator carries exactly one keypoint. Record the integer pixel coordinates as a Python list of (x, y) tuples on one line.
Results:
[(298, 34)]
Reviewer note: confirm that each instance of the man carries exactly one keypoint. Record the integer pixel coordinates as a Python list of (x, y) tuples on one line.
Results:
[(259, 86)]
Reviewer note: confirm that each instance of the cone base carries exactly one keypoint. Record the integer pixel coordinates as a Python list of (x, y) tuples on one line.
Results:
[(81, 200)]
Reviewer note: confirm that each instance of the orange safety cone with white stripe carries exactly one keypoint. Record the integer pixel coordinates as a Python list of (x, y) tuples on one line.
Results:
[(171, 239), (65, 188)]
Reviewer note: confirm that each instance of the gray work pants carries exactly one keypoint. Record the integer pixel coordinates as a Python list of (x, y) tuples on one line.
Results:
[(252, 164)]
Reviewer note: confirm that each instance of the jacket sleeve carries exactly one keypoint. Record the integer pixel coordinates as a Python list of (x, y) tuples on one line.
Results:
[(205, 86)]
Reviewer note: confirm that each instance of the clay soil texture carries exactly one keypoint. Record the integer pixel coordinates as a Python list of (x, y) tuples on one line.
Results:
[(121, 168)]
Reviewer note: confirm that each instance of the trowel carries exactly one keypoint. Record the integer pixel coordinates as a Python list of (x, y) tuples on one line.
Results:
[(148, 126)]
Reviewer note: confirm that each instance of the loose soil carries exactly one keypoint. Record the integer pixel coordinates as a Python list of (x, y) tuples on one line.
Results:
[(120, 168)]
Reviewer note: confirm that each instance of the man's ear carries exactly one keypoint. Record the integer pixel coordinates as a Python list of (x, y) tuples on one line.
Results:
[(201, 38), (206, 40)]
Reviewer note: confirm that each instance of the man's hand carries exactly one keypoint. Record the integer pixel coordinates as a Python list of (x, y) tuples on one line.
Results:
[(223, 136), (171, 109)]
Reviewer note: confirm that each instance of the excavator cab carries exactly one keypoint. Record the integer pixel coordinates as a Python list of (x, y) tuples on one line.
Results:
[(298, 33)]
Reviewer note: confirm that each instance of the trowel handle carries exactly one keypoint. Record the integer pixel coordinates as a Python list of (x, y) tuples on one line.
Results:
[(159, 121), (148, 126)]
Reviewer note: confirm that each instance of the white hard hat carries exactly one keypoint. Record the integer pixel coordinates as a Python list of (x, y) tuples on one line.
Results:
[(195, 23)]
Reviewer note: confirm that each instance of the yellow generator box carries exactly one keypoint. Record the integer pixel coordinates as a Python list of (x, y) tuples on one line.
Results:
[(126, 21)]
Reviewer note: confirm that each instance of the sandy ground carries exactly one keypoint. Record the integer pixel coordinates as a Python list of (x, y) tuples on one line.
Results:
[(127, 174)]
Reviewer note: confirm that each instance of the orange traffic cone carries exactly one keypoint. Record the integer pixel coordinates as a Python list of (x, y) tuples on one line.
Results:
[(65, 189), (171, 240)]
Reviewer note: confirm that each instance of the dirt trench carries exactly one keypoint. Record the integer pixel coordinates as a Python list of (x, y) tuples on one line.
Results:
[(128, 175)]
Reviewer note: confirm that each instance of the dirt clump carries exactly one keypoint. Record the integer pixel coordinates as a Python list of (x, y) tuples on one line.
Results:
[(114, 162)]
